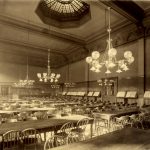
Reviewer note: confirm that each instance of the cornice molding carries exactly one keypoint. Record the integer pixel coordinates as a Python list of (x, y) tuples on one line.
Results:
[(25, 49), (103, 33), (42, 50), (41, 30)]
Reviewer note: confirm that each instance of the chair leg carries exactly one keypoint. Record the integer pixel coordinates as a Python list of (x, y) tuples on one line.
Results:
[(66, 140)]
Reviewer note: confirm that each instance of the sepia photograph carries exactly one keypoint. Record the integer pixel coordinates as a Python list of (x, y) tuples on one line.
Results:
[(74, 74)]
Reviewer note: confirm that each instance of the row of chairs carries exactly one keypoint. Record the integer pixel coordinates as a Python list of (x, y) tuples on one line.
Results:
[(30, 138), (20, 140), (134, 120)]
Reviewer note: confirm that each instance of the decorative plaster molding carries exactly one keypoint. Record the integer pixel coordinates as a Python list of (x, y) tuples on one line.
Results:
[(41, 30), (121, 37), (38, 57), (42, 50), (103, 33)]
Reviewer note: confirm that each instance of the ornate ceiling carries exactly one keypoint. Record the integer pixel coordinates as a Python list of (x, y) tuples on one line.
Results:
[(63, 13), (23, 33)]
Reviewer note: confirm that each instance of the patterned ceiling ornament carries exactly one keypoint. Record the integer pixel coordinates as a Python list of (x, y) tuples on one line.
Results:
[(64, 13)]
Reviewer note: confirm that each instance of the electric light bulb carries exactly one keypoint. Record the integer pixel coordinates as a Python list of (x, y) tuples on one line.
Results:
[(88, 60), (95, 54)]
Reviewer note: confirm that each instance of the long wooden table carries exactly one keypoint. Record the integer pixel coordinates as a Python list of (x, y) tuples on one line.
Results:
[(34, 109), (125, 139), (111, 114), (43, 126)]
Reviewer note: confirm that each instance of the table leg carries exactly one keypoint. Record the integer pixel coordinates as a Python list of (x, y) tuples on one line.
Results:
[(108, 125), (91, 128), (44, 136)]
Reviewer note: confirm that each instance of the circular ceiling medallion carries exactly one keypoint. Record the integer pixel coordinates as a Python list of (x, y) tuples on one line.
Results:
[(63, 13)]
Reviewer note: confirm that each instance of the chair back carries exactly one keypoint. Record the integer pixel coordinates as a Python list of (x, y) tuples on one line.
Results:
[(11, 139), (30, 136), (133, 117), (83, 123), (39, 115), (123, 119), (51, 142), (66, 128)]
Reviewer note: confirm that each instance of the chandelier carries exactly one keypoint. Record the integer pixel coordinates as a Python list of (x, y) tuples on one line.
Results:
[(109, 59), (26, 82), (51, 77), (105, 82), (55, 86)]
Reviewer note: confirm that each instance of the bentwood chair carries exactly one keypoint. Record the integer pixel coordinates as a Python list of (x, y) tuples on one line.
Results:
[(64, 135), (120, 122), (133, 121), (31, 139), (79, 131), (11, 140), (51, 142), (101, 125)]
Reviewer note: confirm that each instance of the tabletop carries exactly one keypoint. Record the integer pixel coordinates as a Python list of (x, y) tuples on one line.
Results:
[(109, 114), (52, 124), (125, 139)]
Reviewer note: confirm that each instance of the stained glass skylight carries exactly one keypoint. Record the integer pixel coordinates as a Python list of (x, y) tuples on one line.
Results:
[(63, 11)]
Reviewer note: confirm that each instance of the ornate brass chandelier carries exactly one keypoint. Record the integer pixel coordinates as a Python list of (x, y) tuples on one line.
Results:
[(105, 82), (49, 76), (109, 60), (26, 82)]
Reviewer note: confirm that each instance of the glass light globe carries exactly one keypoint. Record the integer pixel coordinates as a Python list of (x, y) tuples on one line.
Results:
[(92, 68), (112, 52), (39, 75), (98, 66), (107, 71), (56, 80), (118, 71), (127, 54), (95, 63), (130, 60), (95, 54), (52, 75), (111, 64), (44, 74), (125, 68), (58, 76), (97, 70), (120, 63), (88, 60)]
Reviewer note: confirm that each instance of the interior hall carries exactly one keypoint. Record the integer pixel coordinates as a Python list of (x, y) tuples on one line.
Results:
[(74, 74)]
